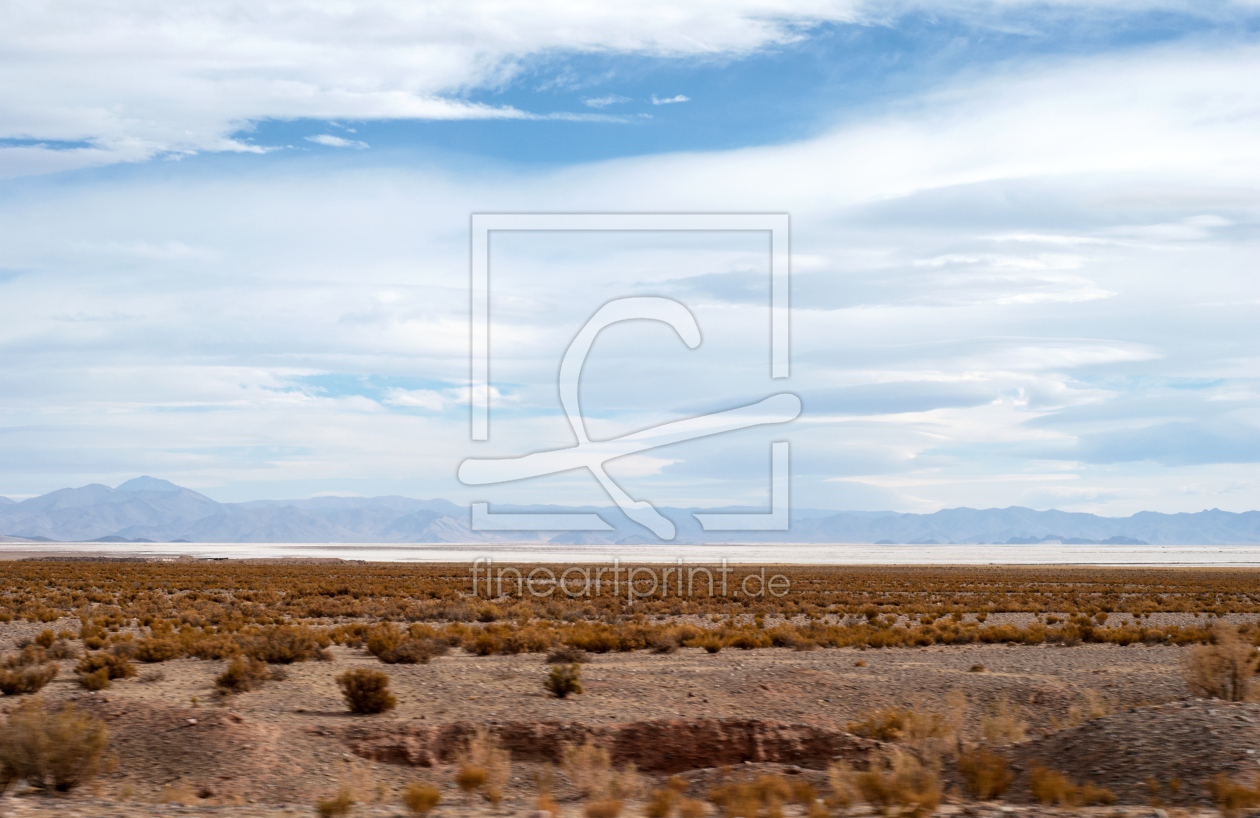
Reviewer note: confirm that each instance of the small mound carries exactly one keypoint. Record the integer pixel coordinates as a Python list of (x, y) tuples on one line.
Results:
[(157, 745), (1189, 741)]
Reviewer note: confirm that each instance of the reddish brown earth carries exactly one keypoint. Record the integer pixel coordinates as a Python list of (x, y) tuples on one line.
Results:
[(276, 750)]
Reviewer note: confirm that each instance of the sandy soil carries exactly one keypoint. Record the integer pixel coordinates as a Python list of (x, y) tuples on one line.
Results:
[(289, 743)]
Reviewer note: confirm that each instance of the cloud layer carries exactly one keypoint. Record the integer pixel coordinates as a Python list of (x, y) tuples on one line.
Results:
[(1031, 287)]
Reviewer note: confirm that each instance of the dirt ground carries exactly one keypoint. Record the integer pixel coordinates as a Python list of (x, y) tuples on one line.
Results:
[(275, 751)]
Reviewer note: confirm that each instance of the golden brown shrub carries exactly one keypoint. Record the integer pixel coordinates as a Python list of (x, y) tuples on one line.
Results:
[(1232, 797), (901, 782), (366, 691), (421, 798), (243, 675), (985, 773), (30, 679), (52, 751), (337, 805), (1224, 669)]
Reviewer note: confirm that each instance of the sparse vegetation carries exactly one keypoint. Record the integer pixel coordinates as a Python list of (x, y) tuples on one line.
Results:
[(1003, 724), (366, 691), (986, 774), (52, 751), (96, 670), (899, 783), (421, 798), (338, 805), (22, 679), (1223, 669), (1232, 797), (1051, 787), (590, 771), (762, 796), (242, 675), (564, 680), (484, 766)]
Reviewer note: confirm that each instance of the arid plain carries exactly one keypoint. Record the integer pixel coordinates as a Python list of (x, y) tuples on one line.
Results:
[(229, 689)]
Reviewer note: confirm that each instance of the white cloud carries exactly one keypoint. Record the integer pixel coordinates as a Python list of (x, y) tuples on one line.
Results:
[(417, 399), (669, 100), (605, 101), (337, 141), (149, 78), (1089, 226)]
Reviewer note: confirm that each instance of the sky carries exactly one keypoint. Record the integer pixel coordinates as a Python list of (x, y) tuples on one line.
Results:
[(234, 246)]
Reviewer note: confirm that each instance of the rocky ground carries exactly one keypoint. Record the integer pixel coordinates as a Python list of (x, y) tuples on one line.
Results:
[(182, 749)]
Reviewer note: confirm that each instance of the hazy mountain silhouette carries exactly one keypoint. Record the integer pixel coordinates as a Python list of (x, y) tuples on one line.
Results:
[(147, 508)]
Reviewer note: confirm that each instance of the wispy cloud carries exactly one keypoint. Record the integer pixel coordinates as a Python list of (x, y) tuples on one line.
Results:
[(669, 100), (604, 102), (337, 141), (1011, 274)]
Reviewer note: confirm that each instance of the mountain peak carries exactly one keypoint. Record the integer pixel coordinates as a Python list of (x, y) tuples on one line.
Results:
[(147, 483)]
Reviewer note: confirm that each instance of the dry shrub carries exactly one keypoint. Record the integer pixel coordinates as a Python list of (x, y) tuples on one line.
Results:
[(1222, 670), (887, 724), (803, 792), (383, 638), (1232, 797), (692, 808), (901, 783), (736, 800), (661, 804), (57, 751), (1051, 787), (158, 649), (243, 675), (470, 779), (711, 642), (97, 669), (977, 669), (96, 680), (1094, 707), (61, 649), (394, 647), (564, 680), (985, 773), (28, 656), (764, 796), (568, 655), (366, 691), (843, 784), (928, 734), (421, 798), (485, 759), (666, 642), (587, 767), (337, 805), (287, 644), (1002, 724), (607, 808), (30, 679), (590, 770)]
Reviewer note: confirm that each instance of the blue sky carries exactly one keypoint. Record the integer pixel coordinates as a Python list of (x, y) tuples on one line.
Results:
[(234, 246)]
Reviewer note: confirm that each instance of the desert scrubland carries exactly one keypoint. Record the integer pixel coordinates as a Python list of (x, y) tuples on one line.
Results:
[(212, 688)]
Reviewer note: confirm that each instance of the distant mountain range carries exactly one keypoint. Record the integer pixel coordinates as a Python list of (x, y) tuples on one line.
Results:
[(150, 510)]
